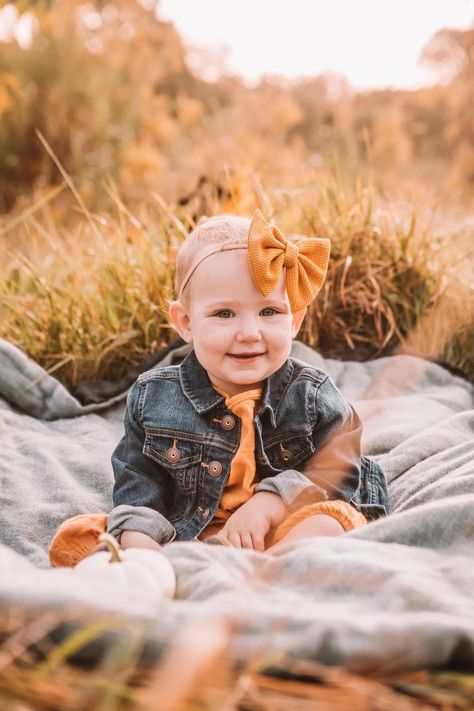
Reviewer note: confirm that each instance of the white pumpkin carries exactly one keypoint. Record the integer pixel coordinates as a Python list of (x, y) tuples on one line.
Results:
[(136, 568)]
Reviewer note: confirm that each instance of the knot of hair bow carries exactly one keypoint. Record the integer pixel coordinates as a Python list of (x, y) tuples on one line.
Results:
[(306, 262)]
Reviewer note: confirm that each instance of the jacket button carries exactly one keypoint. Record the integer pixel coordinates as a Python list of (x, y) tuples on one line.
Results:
[(173, 454), (228, 422), (286, 456), (215, 468)]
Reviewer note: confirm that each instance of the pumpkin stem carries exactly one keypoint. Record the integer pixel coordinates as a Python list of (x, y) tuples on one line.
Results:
[(112, 547)]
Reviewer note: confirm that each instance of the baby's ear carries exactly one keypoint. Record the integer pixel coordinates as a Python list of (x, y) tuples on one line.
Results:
[(180, 319), (297, 321)]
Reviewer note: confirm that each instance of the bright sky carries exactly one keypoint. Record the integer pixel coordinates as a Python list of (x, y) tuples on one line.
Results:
[(374, 43)]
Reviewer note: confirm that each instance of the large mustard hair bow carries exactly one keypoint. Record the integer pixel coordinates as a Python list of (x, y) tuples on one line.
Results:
[(306, 262)]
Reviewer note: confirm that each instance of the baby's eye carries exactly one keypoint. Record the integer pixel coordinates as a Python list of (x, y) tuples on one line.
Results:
[(225, 313), (274, 311)]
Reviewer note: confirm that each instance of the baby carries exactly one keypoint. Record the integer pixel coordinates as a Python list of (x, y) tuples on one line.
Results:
[(241, 444)]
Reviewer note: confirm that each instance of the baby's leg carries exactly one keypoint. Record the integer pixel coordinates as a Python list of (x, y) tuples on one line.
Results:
[(319, 525), (324, 518)]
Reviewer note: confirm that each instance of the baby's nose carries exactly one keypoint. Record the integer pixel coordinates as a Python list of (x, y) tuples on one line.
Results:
[(249, 330)]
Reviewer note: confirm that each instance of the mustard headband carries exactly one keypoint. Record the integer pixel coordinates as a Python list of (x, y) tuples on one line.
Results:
[(204, 254), (306, 261)]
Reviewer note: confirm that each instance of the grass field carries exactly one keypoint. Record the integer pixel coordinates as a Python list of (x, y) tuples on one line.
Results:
[(86, 294)]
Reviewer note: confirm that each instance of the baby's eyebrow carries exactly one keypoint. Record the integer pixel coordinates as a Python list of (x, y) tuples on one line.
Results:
[(276, 304), (224, 303), (268, 304)]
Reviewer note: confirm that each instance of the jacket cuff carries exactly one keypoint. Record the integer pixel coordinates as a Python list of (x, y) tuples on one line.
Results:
[(292, 485), (141, 519)]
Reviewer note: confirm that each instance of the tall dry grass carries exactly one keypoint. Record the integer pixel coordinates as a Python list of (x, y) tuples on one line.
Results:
[(86, 294)]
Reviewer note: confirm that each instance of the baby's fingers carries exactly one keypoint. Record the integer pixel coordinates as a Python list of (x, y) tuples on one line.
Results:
[(246, 540), (234, 540), (258, 542)]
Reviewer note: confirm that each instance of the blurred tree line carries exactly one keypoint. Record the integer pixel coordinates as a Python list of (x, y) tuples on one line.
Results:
[(107, 84)]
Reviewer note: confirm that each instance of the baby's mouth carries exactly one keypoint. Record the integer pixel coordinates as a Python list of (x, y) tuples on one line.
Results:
[(244, 356)]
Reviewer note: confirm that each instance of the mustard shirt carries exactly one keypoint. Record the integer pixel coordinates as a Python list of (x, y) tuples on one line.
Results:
[(241, 482)]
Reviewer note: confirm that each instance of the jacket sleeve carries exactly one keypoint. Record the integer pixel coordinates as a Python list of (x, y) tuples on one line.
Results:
[(143, 490), (333, 471)]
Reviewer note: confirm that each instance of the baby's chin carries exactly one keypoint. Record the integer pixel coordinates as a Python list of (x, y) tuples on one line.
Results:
[(243, 373)]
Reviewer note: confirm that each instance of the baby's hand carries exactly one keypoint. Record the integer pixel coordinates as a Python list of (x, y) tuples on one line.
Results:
[(248, 526), (136, 539)]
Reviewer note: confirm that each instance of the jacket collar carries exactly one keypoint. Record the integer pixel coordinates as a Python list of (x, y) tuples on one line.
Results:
[(275, 388), (199, 391), (196, 384)]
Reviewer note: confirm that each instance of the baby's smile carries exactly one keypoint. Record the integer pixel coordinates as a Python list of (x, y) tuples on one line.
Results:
[(246, 356)]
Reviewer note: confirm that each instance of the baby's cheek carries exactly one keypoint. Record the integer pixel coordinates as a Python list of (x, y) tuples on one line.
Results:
[(283, 332)]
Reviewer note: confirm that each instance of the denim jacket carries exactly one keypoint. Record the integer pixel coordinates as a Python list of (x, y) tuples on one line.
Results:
[(172, 464)]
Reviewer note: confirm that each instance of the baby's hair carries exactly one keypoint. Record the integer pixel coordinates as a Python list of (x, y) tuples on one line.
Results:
[(208, 234)]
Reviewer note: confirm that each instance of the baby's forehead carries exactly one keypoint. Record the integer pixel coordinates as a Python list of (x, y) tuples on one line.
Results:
[(219, 233), (227, 277)]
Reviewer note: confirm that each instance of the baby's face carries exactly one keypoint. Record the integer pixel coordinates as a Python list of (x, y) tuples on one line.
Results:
[(239, 336)]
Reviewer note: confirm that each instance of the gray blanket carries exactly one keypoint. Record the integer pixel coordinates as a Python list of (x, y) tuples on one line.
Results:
[(395, 595)]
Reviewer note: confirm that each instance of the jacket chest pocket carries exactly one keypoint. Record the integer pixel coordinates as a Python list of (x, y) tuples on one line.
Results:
[(287, 451), (181, 458)]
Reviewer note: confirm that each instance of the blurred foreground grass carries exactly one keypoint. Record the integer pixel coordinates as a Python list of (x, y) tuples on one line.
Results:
[(86, 295), (101, 664)]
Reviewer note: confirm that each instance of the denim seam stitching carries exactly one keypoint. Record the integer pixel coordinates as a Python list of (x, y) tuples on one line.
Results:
[(159, 375), (141, 402), (293, 377), (209, 441), (286, 436), (316, 378), (315, 400)]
